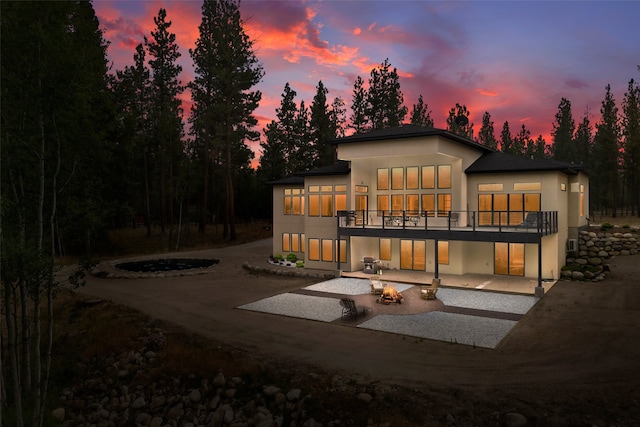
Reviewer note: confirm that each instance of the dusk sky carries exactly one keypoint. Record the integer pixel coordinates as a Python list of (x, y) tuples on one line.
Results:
[(514, 59)]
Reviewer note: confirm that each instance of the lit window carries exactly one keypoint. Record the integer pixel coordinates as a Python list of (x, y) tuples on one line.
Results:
[(444, 204), (342, 250), (490, 187), (295, 242), (341, 202), (397, 178), (327, 205), (428, 177), (286, 246), (443, 252), (412, 178), (314, 249), (383, 205), (314, 205), (429, 204), (413, 206), (327, 250), (385, 249), (444, 176), (397, 204), (523, 186), (383, 179)]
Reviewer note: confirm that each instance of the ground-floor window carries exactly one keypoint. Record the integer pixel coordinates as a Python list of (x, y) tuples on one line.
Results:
[(292, 242), (327, 250), (509, 259), (341, 248), (443, 252), (413, 255), (385, 249), (314, 249)]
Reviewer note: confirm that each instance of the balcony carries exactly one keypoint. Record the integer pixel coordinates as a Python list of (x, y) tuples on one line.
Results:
[(507, 226)]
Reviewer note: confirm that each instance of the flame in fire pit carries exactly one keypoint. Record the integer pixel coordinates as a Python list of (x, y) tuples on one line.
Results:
[(390, 295), (390, 291)]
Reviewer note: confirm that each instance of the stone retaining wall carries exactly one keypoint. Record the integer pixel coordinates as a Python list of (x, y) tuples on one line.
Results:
[(595, 249)]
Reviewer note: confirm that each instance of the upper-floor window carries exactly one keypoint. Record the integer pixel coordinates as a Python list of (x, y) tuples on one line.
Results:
[(397, 178), (294, 201), (327, 200), (444, 176), (428, 177), (383, 179), (412, 178)]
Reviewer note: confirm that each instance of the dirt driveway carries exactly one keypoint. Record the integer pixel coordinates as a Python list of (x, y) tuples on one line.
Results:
[(580, 344)]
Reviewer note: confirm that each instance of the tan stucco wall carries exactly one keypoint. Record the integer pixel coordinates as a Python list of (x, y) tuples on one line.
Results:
[(283, 223)]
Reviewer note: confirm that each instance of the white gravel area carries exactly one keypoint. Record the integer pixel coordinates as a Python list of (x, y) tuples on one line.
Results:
[(449, 327), (484, 300), (350, 286), (296, 305)]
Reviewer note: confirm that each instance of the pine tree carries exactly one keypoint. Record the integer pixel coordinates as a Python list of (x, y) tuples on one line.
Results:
[(606, 153), (280, 150), (506, 140), (631, 135), (384, 99), (420, 114), (564, 147), (338, 118), (226, 69), (521, 141), (584, 140), (359, 122), (322, 129), (132, 89), (487, 136), (166, 115), (458, 121)]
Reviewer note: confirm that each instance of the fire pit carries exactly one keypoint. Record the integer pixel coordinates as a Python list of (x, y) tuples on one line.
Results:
[(390, 295)]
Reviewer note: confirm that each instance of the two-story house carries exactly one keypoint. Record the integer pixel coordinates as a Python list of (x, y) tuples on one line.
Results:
[(424, 199)]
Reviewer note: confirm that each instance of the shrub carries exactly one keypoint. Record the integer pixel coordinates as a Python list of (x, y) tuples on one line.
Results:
[(278, 257), (292, 257), (300, 264), (606, 226)]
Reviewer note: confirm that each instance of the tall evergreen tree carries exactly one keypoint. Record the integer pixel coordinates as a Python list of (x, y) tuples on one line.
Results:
[(487, 135), (166, 114), (420, 114), (305, 154), (281, 150), (322, 128), (338, 117), (521, 141), (458, 121), (584, 140), (606, 153), (506, 139), (564, 147), (384, 100), (631, 135), (226, 69), (132, 89), (359, 107)]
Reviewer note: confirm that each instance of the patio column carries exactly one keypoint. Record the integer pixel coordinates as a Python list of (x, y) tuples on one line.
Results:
[(539, 291), (436, 259)]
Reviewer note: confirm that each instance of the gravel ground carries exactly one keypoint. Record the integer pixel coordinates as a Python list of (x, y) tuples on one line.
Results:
[(436, 325)]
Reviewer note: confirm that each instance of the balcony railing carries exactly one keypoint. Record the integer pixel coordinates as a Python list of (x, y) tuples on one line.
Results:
[(540, 222)]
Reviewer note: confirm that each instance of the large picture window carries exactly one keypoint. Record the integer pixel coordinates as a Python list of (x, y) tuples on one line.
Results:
[(413, 255), (327, 250), (293, 201)]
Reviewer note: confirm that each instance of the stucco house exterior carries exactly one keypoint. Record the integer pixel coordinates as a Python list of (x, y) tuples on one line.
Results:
[(424, 199)]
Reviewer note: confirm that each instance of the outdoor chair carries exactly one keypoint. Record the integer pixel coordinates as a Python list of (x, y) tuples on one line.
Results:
[(376, 286), (453, 218), (350, 309), (429, 292)]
